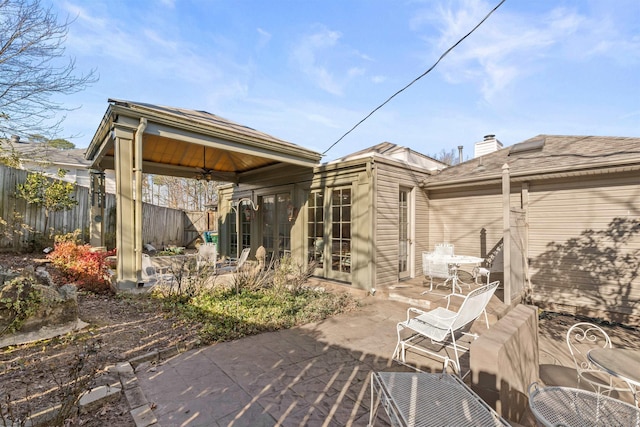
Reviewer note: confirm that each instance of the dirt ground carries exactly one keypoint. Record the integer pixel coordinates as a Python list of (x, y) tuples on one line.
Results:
[(120, 328), (124, 327)]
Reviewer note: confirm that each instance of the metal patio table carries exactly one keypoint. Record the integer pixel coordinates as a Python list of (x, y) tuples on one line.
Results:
[(425, 399), (571, 407), (623, 363), (459, 260)]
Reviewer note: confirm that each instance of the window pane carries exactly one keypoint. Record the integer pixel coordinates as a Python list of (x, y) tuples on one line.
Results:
[(341, 230)]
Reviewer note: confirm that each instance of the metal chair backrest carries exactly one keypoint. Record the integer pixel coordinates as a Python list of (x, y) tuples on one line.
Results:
[(433, 267), (243, 257), (437, 268), (443, 249), (208, 253), (148, 269), (581, 338), (474, 304)]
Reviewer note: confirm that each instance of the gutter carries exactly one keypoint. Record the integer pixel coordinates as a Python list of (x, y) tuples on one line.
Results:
[(138, 201), (524, 177)]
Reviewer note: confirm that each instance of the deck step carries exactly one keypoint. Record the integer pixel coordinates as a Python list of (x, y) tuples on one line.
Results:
[(412, 295), (415, 302)]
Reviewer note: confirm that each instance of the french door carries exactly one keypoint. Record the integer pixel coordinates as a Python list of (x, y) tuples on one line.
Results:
[(329, 232), (277, 219), (339, 257)]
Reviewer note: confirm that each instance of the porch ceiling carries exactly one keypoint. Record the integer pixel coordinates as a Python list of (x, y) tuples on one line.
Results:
[(179, 142)]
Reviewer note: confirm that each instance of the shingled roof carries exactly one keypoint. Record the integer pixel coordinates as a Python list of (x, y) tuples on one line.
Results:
[(40, 152), (545, 156)]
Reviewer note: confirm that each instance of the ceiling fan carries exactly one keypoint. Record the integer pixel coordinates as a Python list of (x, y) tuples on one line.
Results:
[(205, 173)]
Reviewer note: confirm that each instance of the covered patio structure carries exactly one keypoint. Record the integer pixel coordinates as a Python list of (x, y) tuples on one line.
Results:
[(134, 137)]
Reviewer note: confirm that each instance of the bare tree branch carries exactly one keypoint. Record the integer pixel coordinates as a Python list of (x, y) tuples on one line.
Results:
[(34, 68)]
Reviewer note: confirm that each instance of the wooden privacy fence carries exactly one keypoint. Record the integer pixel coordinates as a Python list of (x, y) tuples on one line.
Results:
[(22, 224)]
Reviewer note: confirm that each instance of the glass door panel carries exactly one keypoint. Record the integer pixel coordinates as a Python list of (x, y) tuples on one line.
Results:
[(404, 227), (315, 229), (285, 218), (341, 233), (277, 220), (268, 207)]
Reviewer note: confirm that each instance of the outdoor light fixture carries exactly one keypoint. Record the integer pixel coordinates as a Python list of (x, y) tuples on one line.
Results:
[(236, 205), (205, 174)]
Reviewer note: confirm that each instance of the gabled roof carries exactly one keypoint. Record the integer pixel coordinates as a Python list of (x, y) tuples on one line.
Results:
[(545, 156), (394, 152)]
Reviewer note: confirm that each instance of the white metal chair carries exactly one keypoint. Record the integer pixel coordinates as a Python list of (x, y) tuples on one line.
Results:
[(207, 256), (581, 338), (152, 275), (440, 325), (235, 266), (434, 267), (479, 273), (443, 249)]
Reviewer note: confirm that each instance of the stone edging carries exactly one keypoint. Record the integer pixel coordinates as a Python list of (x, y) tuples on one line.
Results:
[(140, 408)]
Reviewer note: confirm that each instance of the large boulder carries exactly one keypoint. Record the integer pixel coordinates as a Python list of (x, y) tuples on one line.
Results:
[(32, 308)]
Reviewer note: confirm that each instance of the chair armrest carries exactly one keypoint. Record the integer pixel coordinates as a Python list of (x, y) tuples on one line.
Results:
[(414, 310), (453, 294)]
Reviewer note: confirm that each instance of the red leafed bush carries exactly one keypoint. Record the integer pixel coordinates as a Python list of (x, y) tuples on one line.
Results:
[(78, 264)]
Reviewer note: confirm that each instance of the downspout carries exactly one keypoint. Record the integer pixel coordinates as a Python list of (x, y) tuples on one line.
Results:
[(138, 202), (372, 217)]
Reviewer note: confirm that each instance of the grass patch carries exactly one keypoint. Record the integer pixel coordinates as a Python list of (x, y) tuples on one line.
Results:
[(257, 300), (227, 315)]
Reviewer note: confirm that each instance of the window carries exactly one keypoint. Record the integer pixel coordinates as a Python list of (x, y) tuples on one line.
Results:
[(315, 228), (341, 230)]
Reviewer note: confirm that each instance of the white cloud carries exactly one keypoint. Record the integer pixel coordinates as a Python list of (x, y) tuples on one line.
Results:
[(169, 3), (157, 56), (378, 79), (506, 48), (306, 55), (81, 13), (327, 61), (263, 37), (356, 71), (511, 46)]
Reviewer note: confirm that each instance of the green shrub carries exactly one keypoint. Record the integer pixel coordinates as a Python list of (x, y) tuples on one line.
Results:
[(19, 300)]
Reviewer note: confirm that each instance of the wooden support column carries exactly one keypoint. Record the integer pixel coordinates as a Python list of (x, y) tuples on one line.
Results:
[(506, 228), (125, 224)]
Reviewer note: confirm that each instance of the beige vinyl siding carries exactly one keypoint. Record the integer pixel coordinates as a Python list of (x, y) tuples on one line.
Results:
[(386, 244), (574, 260), (459, 217), (389, 180), (421, 239)]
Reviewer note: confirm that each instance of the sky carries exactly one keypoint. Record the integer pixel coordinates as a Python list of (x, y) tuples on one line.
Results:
[(307, 71)]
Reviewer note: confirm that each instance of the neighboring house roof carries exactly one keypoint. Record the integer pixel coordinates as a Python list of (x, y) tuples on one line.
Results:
[(38, 152), (39, 157), (394, 152), (545, 156)]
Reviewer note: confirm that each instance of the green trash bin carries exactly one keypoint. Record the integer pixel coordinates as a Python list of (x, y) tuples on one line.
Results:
[(211, 237)]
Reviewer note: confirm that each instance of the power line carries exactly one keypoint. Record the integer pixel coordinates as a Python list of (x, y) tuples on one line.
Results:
[(417, 78)]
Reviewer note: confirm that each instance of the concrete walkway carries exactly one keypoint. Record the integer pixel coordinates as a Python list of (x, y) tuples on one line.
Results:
[(315, 375)]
